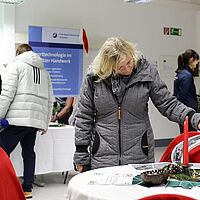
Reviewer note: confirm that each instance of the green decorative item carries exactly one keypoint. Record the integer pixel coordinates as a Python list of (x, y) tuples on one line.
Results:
[(173, 175), (56, 108), (183, 184)]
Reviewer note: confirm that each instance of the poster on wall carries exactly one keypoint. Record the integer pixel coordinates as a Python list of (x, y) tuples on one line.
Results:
[(62, 53)]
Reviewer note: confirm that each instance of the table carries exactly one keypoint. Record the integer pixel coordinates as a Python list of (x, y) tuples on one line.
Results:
[(54, 151), (78, 187)]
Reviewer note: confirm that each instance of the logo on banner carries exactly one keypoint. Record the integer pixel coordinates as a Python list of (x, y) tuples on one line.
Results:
[(55, 35), (62, 53)]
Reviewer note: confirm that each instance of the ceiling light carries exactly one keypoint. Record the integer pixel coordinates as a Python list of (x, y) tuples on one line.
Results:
[(137, 1), (12, 2)]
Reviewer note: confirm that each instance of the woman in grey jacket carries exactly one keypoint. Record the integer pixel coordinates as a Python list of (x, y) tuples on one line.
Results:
[(112, 114)]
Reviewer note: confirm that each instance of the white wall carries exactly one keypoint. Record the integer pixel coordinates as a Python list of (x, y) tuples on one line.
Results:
[(197, 80), (141, 24), (7, 33)]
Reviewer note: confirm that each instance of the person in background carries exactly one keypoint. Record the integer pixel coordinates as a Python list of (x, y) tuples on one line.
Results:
[(112, 114), (26, 102), (72, 116), (184, 87), (66, 108)]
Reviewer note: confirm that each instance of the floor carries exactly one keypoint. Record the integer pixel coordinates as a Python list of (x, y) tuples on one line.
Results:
[(54, 188)]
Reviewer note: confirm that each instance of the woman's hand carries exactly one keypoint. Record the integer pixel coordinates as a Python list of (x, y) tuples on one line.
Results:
[(79, 168), (42, 131), (199, 126), (54, 118)]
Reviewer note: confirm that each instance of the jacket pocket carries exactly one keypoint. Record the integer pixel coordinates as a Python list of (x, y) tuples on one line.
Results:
[(144, 144), (96, 141)]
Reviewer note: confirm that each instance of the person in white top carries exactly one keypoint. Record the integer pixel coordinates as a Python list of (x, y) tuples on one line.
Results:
[(26, 101)]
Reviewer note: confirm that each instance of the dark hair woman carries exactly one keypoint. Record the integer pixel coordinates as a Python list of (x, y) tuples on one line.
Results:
[(184, 87)]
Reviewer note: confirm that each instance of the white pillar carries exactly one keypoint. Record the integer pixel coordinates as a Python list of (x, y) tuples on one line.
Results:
[(7, 33)]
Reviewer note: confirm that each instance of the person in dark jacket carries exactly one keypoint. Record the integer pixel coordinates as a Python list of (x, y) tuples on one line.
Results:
[(112, 125), (184, 87)]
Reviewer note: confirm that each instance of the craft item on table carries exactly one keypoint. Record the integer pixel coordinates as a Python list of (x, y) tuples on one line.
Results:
[(181, 172), (159, 176), (154, 177), (172, 175), (110, 179), (193, 145), (149, 166), (184, 149), (170, 183)]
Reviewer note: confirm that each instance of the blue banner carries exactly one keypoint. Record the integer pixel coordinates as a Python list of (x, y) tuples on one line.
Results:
[(62, 56)]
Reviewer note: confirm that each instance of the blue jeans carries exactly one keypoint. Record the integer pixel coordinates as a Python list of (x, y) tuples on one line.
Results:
[(9, 139)]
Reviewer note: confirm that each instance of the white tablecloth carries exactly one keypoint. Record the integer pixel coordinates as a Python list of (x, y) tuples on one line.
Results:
[(79, 189), (54, 151)]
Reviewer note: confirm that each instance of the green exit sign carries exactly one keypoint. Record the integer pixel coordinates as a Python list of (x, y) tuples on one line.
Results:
[(176, 31)]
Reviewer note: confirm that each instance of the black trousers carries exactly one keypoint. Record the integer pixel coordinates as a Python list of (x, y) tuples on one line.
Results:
[(9, 139)]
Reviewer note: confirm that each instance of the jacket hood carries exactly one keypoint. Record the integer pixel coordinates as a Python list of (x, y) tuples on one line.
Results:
[(30, 58), (142, 72)]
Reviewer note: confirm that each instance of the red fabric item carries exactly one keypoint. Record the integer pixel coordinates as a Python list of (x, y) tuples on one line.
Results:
[(167, 197), (167, 154), (85, 41), (10, 187), (194, 155)]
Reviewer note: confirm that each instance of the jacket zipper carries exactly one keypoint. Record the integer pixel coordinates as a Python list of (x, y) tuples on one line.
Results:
[(119, 119)]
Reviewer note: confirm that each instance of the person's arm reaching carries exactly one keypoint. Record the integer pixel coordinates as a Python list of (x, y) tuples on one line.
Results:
[(65, 110), (168, 105)]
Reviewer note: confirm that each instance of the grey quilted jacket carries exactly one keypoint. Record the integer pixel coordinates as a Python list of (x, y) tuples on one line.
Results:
[(117, 131)]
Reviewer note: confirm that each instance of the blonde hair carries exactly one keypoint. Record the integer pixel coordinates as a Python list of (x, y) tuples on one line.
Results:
[(110, 55)]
